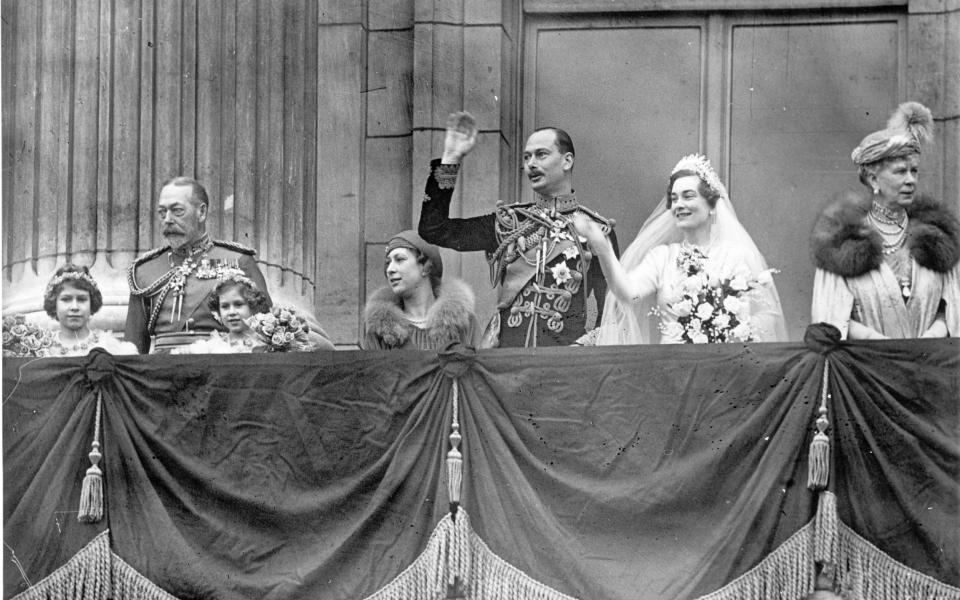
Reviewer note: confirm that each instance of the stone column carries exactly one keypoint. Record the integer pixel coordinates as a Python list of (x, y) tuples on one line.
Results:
[(111, 99), (465, 58), (933, 61)]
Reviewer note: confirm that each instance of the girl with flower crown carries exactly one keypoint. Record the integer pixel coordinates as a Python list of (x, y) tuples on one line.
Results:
[(233, 301), (71, 298), (693, 265)]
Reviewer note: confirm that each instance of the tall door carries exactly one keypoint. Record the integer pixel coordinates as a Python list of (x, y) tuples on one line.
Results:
[(777, 102)]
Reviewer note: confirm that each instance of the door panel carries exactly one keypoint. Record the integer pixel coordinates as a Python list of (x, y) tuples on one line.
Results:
[(790, 96), (630, 97), (802, 96)]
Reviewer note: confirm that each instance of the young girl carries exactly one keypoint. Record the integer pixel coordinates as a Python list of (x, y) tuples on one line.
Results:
[(71, 298), (232, 302)]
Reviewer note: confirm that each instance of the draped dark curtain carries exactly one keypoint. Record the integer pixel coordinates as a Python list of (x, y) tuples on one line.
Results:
[(620, 472)]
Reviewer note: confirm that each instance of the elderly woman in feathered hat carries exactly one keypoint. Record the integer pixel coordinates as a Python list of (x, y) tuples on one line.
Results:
[(887, 260), (418, 309)]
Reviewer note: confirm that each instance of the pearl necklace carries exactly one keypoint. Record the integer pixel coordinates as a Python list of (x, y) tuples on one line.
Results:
[(887, 215), (880, 216), (84, 344), (891, 247), (419, 323)]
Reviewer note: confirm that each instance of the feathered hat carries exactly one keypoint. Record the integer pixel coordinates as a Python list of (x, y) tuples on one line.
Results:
[(908, 128)]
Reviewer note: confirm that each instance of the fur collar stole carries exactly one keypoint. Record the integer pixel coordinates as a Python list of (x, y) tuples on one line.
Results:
[(843, 242), (448, 319)]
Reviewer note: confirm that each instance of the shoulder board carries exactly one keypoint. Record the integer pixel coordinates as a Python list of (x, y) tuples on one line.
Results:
[(609, 223), (235, 246), (501, 204), (150, 254)]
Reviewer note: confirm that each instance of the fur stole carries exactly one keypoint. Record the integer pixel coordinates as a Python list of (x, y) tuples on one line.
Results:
[(448, 319), (845, 244)]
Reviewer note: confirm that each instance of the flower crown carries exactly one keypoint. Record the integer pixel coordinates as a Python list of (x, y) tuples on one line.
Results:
[(238, 276), (700, 165), (68, 276)]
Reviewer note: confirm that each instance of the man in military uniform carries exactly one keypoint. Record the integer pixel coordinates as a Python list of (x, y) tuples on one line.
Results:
[(542, 268), (169, 286)]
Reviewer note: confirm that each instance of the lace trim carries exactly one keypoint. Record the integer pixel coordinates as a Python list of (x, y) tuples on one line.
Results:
[(446, 176)]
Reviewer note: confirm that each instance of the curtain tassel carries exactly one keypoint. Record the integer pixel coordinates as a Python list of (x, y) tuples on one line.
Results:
[(454, 457), (91, 493), (818, 464)]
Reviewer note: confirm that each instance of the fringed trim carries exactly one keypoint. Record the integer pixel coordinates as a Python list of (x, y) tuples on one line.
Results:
[(865, 572), (862, 571), (129, 584), (787, 573), (457, 564), (826, 525), (86, 576), (95, 573)]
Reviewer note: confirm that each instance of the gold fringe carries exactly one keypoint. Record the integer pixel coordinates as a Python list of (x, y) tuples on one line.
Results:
[(863, 571), (457, 564), (826, 529), (129, 584), (86, 576), (787, 573), (95, 573)]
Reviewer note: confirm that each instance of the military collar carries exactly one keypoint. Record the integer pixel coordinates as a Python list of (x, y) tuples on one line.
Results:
[(198, 246), (562, 203)]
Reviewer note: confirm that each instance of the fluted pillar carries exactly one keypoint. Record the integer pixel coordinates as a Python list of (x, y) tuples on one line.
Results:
[(105, 100), (465, 58)]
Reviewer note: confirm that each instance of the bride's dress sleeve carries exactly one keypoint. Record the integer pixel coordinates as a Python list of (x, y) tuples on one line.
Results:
[(630, 323)]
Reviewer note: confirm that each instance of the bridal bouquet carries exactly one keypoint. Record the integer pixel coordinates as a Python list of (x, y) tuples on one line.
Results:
[(711, 309), (24, 339), (280, 330)]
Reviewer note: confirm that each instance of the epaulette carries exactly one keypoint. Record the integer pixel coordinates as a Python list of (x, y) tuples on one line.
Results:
[(132, 269), (235, 246), (503, 204), (606, 224), (149, 254)]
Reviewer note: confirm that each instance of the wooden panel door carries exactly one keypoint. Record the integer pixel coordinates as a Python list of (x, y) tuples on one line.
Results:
[(777, 102), (802, 95), (629, 94)]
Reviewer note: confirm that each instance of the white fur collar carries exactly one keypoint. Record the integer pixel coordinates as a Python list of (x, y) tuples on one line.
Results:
[(448, 319)]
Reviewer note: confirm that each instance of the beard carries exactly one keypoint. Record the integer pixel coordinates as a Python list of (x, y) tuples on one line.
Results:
[(174, 238)]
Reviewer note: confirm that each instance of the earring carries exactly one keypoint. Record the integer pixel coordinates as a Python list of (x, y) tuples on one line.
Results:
[(216, 317), (876, 191)]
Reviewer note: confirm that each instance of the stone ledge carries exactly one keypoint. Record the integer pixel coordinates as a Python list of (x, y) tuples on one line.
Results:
[(606, 6)]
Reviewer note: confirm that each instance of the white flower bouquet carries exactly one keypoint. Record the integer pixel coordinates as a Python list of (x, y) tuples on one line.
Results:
[(280, 330), (713, 310)]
